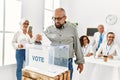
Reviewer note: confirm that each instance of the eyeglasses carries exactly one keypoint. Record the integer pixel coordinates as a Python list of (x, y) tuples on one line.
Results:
[(58, 18), (111, 37), (25, 23)]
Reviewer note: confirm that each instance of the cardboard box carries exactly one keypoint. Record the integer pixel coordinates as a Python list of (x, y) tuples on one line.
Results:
[(31, 75)]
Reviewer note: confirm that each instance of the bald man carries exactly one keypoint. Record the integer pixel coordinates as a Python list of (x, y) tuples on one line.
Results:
[(63, 33)]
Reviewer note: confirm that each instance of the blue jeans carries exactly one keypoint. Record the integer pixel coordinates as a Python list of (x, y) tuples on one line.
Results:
[(20, 57), (70, 66)]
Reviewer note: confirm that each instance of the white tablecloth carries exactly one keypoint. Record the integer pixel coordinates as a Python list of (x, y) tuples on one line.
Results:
[(97, 69)]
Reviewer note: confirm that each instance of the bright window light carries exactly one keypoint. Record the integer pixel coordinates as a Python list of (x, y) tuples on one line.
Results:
[(10, 15)]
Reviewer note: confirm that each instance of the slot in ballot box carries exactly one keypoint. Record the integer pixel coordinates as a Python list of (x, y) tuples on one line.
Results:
[(47, 60)]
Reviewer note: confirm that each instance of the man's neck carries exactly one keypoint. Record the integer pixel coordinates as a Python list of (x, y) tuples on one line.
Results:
[(61, 27)]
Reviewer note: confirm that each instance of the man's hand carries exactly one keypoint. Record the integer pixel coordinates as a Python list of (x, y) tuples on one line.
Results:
[(80, 68), (110, 56), (38, 37), (100, 55), (20, 46)]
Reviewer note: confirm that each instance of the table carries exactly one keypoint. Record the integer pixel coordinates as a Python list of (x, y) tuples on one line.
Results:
[(97, 69)]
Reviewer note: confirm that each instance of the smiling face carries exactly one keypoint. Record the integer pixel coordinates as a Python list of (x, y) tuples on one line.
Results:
[(25, 25), (59, 17), (110, 37), (85, 41)]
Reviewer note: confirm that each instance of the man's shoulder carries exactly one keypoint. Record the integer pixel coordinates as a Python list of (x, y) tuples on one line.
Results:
[(96, 34), (70, 25), (51, 26)]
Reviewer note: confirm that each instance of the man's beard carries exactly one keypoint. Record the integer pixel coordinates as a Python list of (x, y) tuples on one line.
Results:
[(58, 25)]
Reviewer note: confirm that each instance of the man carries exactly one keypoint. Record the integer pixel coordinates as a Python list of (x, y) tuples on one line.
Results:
[(109, 48), (98, 37), (63, 33)]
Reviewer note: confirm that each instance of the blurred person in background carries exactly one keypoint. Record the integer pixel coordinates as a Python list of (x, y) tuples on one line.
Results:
[(98, 38), (21, 37), (86, 48), (109, 48)]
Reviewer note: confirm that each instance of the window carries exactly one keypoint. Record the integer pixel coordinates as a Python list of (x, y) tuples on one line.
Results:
[(1, 14), (1, 28), (10, 15), (50, 5), (1, 48), (9, 52), (48, 18)]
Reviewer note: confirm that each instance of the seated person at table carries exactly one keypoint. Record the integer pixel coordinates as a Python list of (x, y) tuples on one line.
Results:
[(109, 48), (38, 39), (86, 48)]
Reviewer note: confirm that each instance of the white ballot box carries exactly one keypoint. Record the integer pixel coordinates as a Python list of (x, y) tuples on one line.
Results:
[(41, 56), (47, 60), (37, 56), (58, 55)]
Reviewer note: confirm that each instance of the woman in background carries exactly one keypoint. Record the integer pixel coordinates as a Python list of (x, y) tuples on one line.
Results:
[(86, 48), (21, 38)]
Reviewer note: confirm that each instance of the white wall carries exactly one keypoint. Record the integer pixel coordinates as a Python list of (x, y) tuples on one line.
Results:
[(90, 13), (8, 72), (33, 10)]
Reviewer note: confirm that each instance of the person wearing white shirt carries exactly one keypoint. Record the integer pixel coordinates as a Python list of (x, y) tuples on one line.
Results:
[(98, 37), (109, 48), (21, 38), (86, 48)]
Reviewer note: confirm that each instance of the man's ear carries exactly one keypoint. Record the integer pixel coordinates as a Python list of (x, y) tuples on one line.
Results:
[(65, 17)]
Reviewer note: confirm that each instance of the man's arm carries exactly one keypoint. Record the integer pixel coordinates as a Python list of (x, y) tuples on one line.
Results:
[(78, 52)]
